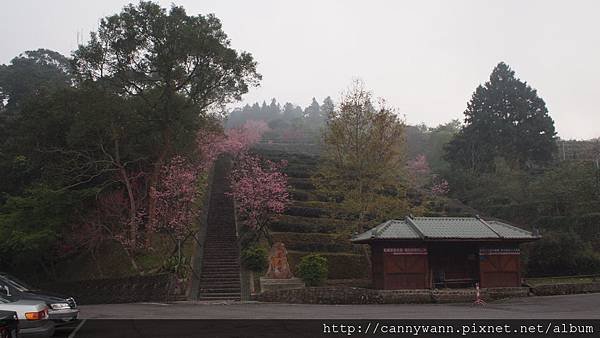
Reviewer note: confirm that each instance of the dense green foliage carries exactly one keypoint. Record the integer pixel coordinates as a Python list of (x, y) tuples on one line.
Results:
[(565, 252), (255, 258), (423, 140), (313, 269), (504, 163), (505, 118), (363, 156), (288, 123), (85, 137), (83, 140)]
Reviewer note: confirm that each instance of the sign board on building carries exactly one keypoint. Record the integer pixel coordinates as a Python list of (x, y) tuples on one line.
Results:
[(499, 251), (405, 251)]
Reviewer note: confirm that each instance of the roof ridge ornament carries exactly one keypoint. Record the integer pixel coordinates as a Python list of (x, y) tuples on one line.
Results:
[(414, 227), (488, 226), (379, 229)]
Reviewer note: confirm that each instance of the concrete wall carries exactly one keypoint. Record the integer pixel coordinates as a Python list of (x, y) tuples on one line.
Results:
[(154, 288), (351, 295), (565, 289)]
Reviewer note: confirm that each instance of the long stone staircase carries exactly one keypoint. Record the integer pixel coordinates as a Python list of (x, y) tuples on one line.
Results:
[(220, 276)]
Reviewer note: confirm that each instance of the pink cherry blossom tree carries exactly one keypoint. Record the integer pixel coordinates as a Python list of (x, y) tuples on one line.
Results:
[(233, 141), (440, 186), (421, 176), (260, 190), (176, 196)]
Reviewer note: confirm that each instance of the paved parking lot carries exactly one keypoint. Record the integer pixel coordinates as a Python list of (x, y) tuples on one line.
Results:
[(570, 306), (96, 318)]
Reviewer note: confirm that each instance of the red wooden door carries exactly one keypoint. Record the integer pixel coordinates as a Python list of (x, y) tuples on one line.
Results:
[(499, 270), (404, 270)]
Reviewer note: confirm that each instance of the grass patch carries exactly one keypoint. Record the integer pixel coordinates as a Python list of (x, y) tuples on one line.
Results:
[(563, 280)]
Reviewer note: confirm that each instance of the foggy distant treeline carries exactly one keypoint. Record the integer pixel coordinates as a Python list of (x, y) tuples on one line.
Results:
[(288, 115)]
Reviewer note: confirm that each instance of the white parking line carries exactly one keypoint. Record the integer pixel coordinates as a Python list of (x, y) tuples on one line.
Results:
[(72, 335)]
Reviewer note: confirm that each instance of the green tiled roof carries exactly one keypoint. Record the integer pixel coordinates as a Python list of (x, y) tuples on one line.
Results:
[(443, 228)]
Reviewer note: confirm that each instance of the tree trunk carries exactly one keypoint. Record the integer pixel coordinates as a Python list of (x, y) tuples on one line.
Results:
[(153, 187), (133, 225), (365, 248), (132, 261)]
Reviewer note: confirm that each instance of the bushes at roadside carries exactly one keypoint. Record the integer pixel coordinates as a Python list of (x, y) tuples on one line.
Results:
[(341, 265), (313, 269), (255, 258), (562, 254)]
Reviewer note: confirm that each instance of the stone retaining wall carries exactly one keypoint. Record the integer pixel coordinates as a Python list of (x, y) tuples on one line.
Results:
[(353, 295), (153, 288), (565, 289)]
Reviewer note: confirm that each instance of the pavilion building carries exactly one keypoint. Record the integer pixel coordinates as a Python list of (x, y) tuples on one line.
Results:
[(436, 252)]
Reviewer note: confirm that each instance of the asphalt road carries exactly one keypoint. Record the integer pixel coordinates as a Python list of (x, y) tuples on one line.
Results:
[(135, 320), (584, 306)]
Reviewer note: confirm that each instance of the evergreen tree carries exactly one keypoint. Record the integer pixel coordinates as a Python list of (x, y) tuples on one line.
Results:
[(327, 108), (505, 118), (274, 109), (291, 111), (312, 114)]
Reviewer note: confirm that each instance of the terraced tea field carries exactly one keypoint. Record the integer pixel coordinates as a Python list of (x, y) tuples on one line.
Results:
[(313, 223)]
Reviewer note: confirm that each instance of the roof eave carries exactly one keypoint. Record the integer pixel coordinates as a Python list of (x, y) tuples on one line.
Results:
[(429, 240)]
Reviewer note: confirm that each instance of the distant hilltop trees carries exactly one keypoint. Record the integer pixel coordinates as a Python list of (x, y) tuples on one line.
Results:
[(578, 150), (289, 115)]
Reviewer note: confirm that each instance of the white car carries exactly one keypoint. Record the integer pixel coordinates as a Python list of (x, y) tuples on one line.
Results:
[(33, 317)]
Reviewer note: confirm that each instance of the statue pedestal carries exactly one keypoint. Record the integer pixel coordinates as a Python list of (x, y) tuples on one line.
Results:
[(272, 284)]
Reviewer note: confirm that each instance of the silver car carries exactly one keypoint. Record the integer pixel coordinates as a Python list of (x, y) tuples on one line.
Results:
[(33, 317)]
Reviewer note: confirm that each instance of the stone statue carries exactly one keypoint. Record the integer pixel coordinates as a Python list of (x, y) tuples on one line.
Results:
[(278, 263)]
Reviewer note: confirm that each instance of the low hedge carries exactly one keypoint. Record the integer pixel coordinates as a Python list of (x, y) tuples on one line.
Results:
[(341, 265), (295, 173), (282, 226), (287, 223), (314, 241), (292, 157), (306, 212), (301, 183), (300, 195)]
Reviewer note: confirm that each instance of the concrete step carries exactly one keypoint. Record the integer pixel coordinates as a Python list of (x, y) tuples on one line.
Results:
[(218, 284), (206, 291), (220, 273), (220, 296), (232, 265), (213, 273), (220, 268), (219, 279)]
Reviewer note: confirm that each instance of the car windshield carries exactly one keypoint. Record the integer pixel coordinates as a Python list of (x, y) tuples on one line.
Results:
[(16, 283)]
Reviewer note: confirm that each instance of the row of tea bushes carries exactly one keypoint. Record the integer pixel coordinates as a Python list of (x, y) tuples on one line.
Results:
[(310, 242)]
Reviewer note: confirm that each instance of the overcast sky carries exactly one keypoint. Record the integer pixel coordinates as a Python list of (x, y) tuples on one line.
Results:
[(424, 57)]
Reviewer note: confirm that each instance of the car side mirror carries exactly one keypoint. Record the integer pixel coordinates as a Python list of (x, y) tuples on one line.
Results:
[(5, 290)]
